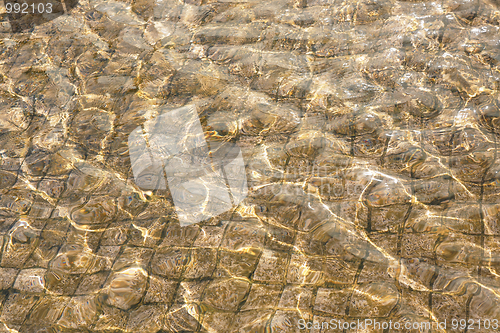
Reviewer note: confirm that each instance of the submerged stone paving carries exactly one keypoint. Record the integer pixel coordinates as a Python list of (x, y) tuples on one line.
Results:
[(369, 133)]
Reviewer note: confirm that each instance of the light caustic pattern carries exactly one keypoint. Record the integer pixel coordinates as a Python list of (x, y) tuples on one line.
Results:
[(366, 133)]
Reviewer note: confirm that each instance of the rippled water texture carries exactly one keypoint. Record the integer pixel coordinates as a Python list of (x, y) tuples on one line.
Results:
[(369, 133)]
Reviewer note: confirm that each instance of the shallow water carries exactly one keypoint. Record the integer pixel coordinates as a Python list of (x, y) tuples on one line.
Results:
[(370, 179)]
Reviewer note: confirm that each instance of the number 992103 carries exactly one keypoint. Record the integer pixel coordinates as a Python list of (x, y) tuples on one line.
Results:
[(24, 8)]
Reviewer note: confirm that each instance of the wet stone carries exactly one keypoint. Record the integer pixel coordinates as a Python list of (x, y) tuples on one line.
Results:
[(8, 276), (414, 246), (461, 249), (180, 236), (331, 301), (16, 308), (191, 291), (483, 304), (91, 284), (15, 254), (448, 306), (243, 234), (226, 294), (389, 218), (146, 318), (126, 287), (294, 297), (73, 259), (279, 238), (94, 212), (62, 283), (160, 290), (374, 299), (271, 267), (253, 320), (133, 256), (386, 192), (209, 237), (491, 212), (116, 233), (262, 296), (489, 114), (421, 103), (146, 233), (466, 218), (218, 320), (304, 270), (7, 179), (30, 280), (182, 318), (433, 191), (80, 311), (112, 317), (309, 244), (47, 310), (202, 263), (473, 167), (239, 264), (170, 262), (404, 157), (338, 272), (106, 255)]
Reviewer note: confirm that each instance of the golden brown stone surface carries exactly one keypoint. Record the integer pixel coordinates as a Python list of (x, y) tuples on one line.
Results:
[(369, 131)]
